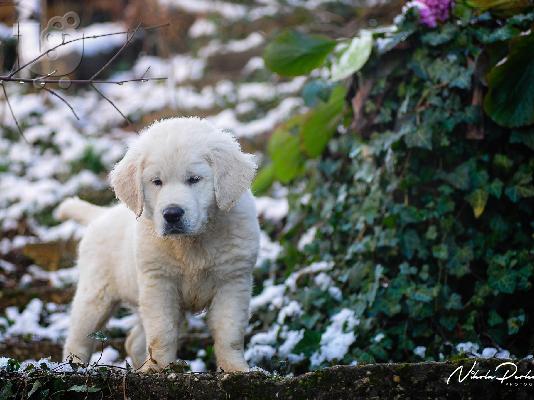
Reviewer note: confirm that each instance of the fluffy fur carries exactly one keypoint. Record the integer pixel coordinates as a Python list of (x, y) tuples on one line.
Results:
[(129, 253)]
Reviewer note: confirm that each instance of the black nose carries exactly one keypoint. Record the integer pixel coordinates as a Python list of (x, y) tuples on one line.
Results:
[(173, 214)]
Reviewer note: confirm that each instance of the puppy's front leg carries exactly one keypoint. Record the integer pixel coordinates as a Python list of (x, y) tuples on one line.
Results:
[(159, 311), (228, 317)]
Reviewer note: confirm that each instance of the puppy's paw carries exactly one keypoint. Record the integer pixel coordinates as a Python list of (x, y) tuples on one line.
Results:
[(150, 367), (234, 367)]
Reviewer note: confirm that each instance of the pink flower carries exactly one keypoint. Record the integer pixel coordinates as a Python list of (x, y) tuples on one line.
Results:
[(432, 11)]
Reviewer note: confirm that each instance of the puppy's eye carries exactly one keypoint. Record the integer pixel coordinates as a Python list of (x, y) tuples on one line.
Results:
[(157, 182), (194, 179)]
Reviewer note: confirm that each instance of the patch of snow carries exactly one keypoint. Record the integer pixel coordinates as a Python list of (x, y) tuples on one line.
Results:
[(202, 27), (108, 356), (252, 41), (293, 309), (337, 338), (27, 322), (269, 250), (271, 295), (467, 347), (320, 266), (229, 11), (124, 324), (268, 337), (271, 208), (254, 64), (227, 119), (292, 339), (257, 353), (420, 351), (197, 365)]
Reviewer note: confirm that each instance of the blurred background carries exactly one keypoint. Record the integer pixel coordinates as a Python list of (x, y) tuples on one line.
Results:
[(210, 54)]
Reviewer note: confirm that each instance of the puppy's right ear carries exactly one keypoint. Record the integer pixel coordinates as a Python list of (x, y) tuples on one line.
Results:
[(125, 179)]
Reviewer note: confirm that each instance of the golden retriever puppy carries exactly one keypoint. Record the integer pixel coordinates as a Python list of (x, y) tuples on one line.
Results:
[(185, 237)]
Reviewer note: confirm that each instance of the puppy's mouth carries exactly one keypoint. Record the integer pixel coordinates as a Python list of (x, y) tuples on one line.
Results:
[(175, 229)]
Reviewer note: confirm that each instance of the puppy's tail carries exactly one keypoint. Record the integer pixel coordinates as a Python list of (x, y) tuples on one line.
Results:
[(78, 210)]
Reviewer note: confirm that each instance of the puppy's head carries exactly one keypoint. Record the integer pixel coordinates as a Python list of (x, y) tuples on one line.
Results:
[(179, 171)]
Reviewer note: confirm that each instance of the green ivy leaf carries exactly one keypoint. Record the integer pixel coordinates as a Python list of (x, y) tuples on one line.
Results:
[(99, 335), (478, 200), (294, 53), (410, 242), (309, 343), (321, 123), (7, 391), (421, 137), (352, 56), (495, 188), (516, 322), (35, 387), (501, 279), (459, 178), (83, 389), (494, 318), (440, 251), (510, 98)]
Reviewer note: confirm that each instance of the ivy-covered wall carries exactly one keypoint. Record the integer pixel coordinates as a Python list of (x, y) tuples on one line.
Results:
[(410, 231)]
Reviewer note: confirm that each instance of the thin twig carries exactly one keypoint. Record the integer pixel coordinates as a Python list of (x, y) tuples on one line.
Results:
[(78, 39), (117, 53), (77, 81), (12, 113), (112, 103), (146, 71), (63, 100)]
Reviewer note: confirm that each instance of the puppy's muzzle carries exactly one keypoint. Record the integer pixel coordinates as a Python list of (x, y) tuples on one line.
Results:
[(173, 220)]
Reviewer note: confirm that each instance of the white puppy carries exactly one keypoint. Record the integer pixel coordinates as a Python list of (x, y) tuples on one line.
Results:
[(185, 238)]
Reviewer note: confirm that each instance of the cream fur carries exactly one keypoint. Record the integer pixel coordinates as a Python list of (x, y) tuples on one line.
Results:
[(126, 258)]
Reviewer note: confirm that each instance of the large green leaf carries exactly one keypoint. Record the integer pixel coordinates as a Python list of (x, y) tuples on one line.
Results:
[(284, 149), (264, 179), (352, 56), (320, 124), (294, 53), (510, 99)]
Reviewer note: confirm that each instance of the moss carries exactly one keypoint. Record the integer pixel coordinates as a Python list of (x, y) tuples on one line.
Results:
[(419, 380)]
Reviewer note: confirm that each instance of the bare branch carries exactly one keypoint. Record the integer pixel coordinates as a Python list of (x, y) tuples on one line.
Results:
[(128, 41), (41, 82), (12, 113), (146, 71), (63, 100), (76, 40), (77, 81), (112, 103)]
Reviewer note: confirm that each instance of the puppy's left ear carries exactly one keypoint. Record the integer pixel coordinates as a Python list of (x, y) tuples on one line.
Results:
[(233, 170)]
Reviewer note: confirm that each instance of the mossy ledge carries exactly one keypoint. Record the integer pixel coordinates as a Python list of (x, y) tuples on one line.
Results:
[(376, 381)]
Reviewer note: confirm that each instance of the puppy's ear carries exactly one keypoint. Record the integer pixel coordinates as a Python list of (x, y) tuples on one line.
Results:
[(125, 179), (233, 170)]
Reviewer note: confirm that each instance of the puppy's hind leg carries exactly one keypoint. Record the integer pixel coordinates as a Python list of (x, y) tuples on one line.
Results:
[(136, 345), (91, 308)]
